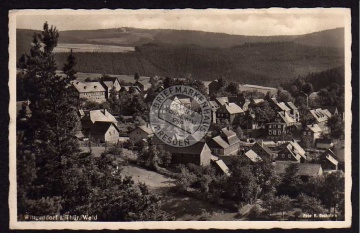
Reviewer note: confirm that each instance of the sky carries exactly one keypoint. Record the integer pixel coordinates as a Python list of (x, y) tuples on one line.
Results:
[(260, 22)]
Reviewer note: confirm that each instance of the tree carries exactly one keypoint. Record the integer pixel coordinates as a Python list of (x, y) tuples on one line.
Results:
[(307, 88), (333, 190), (232, 88), (69, 67), (264, 113), (290, 182), (310, 205), (284, 96), (136, 77), (282, 204), (242, 186), (336, 124)]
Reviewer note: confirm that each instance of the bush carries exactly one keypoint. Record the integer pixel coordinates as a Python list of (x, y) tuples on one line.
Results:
[(297, 214), (255, 212)]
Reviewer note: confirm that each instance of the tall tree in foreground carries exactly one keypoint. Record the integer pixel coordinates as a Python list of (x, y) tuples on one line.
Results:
[(51, 129)]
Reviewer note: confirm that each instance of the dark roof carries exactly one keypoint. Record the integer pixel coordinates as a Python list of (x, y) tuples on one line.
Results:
[(100, 127), (266, 149), (196, 148)]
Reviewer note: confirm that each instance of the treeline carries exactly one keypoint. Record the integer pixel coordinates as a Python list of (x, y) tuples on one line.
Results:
[(264, 64)]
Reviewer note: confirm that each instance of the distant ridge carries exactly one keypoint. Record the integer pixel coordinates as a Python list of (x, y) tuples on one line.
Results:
[(138, 37)]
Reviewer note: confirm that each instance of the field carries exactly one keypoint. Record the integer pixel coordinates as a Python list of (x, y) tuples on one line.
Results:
[(81, 76), (76, 48)]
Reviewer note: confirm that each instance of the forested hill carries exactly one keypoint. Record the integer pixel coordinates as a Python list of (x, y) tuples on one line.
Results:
[(259, 63), (138, 37)]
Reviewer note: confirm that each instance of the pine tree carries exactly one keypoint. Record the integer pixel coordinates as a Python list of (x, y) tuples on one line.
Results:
[(50, 135)]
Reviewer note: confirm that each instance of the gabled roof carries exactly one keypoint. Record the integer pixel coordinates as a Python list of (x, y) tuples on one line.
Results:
[(101, 115), (265, 148), (292, 105), (214, 105), (145, 128), (229, 136), (233, 108), (283, 106), (108, 84), (222, 100), (286, 118), (309, 169), (314, 128), (320, 115), (88, 86), (253, 156), (327, 113), (329, 152), (101, 127), (295, 149), (258, 101), (222, 167), (196, 148), (220, 141)]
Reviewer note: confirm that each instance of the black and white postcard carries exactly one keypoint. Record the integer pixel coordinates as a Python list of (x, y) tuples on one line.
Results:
[(178, 119)]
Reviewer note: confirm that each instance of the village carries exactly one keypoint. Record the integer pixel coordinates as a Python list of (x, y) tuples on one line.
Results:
[(289, 136)]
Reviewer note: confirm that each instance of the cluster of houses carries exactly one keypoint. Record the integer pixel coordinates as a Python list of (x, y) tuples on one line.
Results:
[(220, 150), (99, 91)]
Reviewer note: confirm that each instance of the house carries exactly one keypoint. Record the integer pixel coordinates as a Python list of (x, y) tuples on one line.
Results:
[(253, 157), (230, 112), (214, 87), (257, 101), (263, 151), (276, 130), (305, 170), (227, 143), (329, 160), (198, 153), (219, 165), (262, 89), (291, 152), (89, 118), (140, 133), (310, 134), (109, 83), (323, 143), (92, 91), (294, 111), (130, 89), (319, 116), (143, 85), (103, 131), (183, 101)]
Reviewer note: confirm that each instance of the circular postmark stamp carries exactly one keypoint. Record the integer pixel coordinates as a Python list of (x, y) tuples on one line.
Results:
[(180, 116)]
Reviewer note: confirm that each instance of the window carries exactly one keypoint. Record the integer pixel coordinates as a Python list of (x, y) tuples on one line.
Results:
[(279, 132), (274, 132), (289, 156), (270, 126), (279, 126), (283, 156), (309, 133), (270, 132), (304, 133)]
